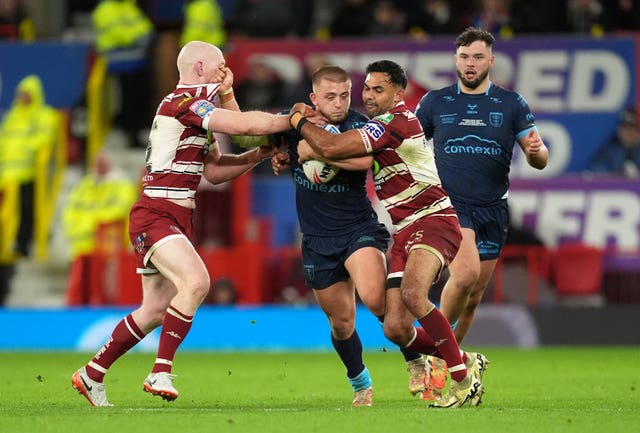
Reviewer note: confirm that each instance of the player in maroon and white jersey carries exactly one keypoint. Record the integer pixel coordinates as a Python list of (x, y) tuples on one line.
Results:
[(181, 150), (427, 233)]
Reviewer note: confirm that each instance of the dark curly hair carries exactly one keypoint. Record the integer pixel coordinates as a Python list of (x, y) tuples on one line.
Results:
[(472, 34), (396, 73)]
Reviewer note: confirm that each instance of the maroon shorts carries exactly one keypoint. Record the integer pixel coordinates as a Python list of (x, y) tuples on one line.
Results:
[(438, 233), (153, 221)]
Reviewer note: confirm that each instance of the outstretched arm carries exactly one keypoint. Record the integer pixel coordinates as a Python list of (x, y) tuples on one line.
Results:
[(222, 167), (247, 123)]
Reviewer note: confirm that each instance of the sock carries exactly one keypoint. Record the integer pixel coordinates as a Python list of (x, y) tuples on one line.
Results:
[(361, 381), (175, 327), (423, 343), (350, 352), (125, 335), (440, 331), (409, 354)]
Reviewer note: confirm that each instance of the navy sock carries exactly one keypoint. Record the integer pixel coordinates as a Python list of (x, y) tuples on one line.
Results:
[(350, 352)]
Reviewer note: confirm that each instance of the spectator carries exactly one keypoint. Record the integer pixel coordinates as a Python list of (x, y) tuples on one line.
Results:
[(585, 17), (623, 15), (223, 292), (312, 62), (493, 16), (262, 88), (272, 18), (15, 23), (203, 21), (124, 35), (621, 153), (28, 133), (388, 19), (103, 196), (352, 19), (432, 17), (541, 16)]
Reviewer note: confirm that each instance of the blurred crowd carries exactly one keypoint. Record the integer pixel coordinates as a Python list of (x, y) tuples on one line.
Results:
[(355, 18)]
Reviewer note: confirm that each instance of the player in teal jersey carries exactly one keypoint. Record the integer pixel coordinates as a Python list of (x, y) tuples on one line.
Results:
[(474, 125)]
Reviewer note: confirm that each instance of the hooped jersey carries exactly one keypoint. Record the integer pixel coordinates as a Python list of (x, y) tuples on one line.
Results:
[(179, 142), (405, 174), (473, 137)]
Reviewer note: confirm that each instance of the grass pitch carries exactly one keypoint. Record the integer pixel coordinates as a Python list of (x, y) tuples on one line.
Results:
[(544, 390)]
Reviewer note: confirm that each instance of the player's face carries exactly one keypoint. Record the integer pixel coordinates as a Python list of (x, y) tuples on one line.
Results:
[(379, 95), (473, 64), (332, 100)]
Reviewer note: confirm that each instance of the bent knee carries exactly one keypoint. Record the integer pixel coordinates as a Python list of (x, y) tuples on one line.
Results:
[(342, 328), (398, 334), (198, 288)]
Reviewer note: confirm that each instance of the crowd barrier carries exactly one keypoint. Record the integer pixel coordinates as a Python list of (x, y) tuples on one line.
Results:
[(305, 328)]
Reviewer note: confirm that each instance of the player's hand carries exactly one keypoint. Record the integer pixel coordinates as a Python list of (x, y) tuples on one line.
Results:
[(303, 108), (305, 152), (317, 119), (533, 142), (280, 162), (226, 82), (265, 152)]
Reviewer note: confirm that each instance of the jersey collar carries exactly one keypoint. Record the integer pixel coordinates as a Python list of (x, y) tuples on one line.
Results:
[(486, 92)]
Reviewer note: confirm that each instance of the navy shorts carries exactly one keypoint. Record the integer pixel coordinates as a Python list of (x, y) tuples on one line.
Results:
[(490, 225), (323, 257)]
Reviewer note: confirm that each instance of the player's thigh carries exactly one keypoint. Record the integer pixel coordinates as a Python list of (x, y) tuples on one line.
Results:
[(465, 267), (338, 302), (421, 269), (368, 270), (178, 261)]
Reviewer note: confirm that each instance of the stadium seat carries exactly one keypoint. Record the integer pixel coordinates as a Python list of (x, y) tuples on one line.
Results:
[(578, 274)]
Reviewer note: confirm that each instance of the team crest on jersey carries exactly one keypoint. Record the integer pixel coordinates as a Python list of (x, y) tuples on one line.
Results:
[(495, 119), (185, 100), (374, 129), (202, 108)]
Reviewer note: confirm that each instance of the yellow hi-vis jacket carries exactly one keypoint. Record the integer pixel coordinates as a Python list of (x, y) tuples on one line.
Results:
[(119, 24), (26, 131), (203, 21), (92, 203)]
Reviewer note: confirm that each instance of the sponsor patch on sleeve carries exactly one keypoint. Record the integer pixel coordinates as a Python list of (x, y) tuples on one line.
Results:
[(202, 107), (374, 129)]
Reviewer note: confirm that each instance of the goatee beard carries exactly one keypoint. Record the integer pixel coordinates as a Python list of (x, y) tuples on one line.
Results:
[(472, 84)]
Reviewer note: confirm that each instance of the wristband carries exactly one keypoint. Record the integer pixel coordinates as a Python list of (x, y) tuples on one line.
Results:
[(291, 121), (226, 96), (226, 92), (291, 115), (300, 124)]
